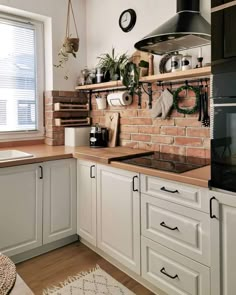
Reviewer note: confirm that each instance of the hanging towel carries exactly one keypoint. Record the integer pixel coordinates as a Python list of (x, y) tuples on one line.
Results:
[(163, 105)]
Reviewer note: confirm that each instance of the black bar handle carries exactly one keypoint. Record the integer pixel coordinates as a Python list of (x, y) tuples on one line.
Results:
[(166, 190), (166, 226), (166, 274), (211, 214), (91, 171), (41, 172), (134, 189)]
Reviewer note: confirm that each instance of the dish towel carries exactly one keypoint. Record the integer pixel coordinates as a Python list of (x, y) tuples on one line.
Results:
[(162, 105)]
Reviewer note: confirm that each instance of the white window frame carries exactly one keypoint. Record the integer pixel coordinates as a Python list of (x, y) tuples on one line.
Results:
[(40, 82)]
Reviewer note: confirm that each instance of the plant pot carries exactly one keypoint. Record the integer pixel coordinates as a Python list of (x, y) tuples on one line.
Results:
[(143, 72), (71, 45), (101, 103)]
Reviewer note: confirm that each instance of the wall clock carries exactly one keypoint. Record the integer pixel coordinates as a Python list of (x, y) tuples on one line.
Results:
[(127, 20)]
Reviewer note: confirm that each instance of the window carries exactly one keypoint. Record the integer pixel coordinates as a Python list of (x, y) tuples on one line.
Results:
[(21, 77)]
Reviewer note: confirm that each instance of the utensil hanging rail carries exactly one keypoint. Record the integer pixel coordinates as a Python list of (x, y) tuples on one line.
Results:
[(178, 82)]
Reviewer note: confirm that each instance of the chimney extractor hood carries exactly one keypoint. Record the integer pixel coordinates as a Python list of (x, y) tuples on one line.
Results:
[(187, 29)]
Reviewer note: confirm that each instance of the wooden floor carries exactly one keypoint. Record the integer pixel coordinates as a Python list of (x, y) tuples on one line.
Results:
[(51, 268)]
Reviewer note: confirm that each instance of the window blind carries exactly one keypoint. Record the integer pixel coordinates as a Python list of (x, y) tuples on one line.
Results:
[(18, 100)]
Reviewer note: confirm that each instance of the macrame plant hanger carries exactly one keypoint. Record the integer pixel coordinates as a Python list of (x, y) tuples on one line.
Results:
[(71, 44)]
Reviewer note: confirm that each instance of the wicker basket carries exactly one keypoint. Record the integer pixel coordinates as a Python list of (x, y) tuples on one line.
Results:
[(7, 274)]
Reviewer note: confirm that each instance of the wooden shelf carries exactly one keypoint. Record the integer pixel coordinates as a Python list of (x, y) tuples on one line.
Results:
[(193, 73), (71, 107), (72, 122), (111, 84)]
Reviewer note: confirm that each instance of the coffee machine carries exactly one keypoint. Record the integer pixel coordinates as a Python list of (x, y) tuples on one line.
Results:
[(98, 136)]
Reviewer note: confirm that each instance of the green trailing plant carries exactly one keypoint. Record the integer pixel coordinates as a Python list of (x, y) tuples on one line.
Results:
[(111, 63), (70, 45), (130, 77)]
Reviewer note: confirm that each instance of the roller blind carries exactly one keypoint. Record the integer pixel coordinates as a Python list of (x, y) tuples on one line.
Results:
[(18, 99)]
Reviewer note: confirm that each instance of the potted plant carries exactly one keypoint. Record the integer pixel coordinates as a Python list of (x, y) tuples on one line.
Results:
[(112, 64), (71, 44), (143, 68)]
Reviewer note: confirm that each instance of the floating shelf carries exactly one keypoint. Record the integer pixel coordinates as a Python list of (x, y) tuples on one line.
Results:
[(193, 73), (71, 107), (72, 122), (111, 84)]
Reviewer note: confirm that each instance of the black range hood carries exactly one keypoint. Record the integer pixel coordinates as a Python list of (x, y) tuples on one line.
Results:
[(187, 29)]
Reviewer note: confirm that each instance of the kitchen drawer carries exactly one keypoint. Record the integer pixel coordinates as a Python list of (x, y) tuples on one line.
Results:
[(172, 272), (182, 229), (187, 195)]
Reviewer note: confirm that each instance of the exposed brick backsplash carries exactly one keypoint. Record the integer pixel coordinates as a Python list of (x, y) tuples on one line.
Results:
[(55, 134), (179, 134)]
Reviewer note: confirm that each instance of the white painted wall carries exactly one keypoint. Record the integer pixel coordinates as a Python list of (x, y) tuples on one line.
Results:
[(99, 31), (103, 31), (55, 11)]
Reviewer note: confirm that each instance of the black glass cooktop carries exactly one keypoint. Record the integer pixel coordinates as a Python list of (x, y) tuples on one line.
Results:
[(168, 162)]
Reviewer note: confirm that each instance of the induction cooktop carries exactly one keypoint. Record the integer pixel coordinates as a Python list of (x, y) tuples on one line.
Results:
[(168, 162)]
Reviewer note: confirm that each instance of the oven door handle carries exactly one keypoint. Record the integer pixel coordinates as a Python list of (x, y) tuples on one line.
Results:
[(211, 214)]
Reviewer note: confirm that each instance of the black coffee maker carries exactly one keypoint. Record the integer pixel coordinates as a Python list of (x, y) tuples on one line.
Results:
[(98, 136)]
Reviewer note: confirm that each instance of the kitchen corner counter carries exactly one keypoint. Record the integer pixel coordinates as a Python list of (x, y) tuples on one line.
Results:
[(199, 176), (44, 153)]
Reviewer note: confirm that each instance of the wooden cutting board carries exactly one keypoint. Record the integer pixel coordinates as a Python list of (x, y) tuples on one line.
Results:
[(112, 123)]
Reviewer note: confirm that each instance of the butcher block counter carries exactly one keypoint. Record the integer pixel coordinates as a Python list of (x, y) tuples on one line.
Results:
[(107, 156)]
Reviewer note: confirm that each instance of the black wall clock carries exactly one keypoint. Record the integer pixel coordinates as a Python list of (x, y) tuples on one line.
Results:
[(127, 20)]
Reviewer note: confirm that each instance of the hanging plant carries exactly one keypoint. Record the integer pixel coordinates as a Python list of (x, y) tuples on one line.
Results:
[(70, 45)]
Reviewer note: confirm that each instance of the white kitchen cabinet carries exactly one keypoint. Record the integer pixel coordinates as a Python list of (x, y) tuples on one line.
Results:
[(173, 273), (183, 194), (223, 243), (87, 201), (20, 209), (177, 227), (118, 215), (59, 200)]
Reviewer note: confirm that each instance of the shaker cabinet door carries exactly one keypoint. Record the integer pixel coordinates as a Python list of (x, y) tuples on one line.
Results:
[(59, 203), (87, 201), (118, 209), (20, 209), (223, 243)]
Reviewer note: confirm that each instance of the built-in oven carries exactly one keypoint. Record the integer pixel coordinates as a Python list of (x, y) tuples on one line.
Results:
[(223, 47), (223, 143)]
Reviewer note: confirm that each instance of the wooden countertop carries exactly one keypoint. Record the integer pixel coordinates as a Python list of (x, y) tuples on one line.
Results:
[(44, 153), (197, 177)]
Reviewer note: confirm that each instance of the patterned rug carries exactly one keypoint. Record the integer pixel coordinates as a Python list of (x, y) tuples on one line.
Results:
[(96, 281)]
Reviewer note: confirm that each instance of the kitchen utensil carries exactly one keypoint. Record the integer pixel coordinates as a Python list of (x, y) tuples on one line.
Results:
[(112, 122), (201, 102), (206, 117)]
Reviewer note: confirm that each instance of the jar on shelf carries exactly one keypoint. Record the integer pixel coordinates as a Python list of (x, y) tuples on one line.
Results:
[(186, 62), (176, 62)]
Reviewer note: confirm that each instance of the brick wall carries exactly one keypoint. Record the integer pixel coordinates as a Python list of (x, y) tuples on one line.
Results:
[(55, 134), (179, 134)]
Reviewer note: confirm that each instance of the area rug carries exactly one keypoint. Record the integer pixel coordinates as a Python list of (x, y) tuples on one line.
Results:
[(96, 281), (7, 274)]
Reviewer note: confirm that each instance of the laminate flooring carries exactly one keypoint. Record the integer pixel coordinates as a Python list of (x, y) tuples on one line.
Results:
[(53, 267)]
